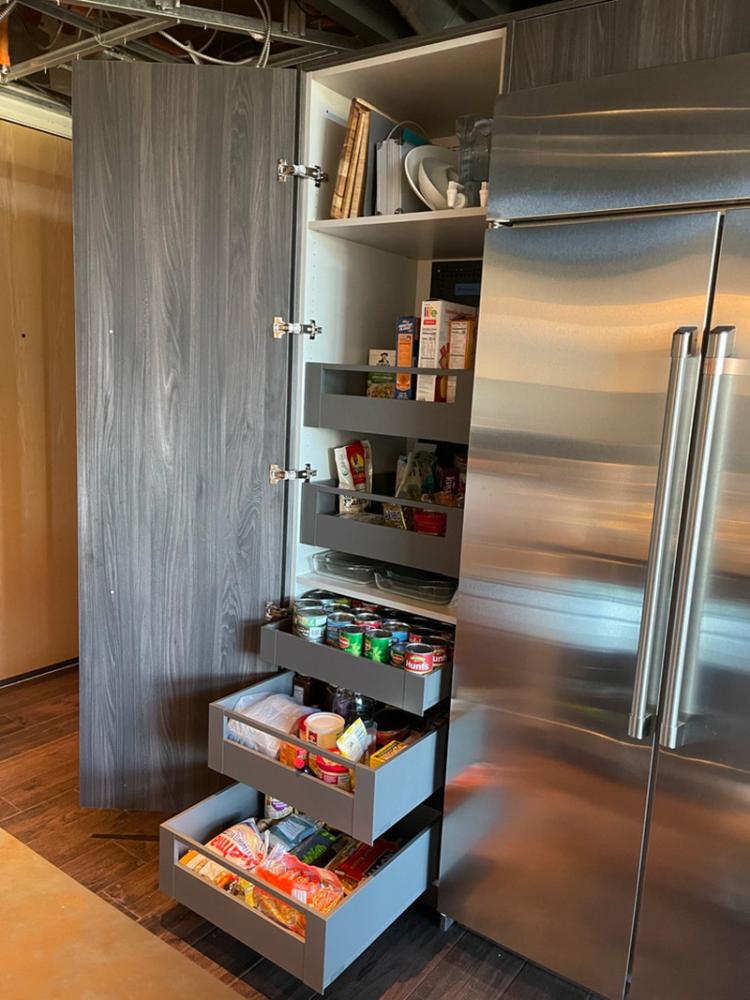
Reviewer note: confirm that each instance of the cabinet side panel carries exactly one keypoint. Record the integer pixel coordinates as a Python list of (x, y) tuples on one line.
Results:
[(182, 242)]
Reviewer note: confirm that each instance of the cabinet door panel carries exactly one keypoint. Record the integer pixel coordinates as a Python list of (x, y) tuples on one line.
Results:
[(554, 48), (183, 255), (657, 32)]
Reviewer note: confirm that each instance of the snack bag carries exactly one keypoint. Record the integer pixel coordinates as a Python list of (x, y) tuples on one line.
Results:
[(242, 843), (315, 887), (354, 468)]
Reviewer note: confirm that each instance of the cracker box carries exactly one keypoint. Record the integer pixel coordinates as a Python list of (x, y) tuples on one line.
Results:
[(381, 384), (407, 354), (434, 345)]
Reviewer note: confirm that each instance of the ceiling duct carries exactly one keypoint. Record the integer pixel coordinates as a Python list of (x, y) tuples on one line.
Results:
[(429, 16)]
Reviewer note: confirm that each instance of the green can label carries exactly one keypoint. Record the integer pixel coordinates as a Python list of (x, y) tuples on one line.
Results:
[(378, 645), (351, 639)]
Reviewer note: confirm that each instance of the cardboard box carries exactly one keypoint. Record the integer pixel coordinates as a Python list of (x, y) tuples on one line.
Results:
[(461, 349), (463, 339), (381, 384), (434, 345), (407, 354)]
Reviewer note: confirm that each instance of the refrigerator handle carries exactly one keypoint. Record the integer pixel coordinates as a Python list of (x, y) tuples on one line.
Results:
[(698, 518), (670, 484)]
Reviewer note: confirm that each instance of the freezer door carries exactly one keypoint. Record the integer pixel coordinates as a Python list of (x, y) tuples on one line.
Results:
[(183, 246), (666, 135), (694, 930), (546, 792)]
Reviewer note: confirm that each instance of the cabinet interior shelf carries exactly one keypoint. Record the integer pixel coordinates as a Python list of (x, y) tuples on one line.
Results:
[(370, 592), (456, 232)]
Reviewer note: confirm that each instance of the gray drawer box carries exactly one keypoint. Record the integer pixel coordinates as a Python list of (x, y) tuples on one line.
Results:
[(414, 693), (331, 942), (321, 525), (381, 796), (335, 397)]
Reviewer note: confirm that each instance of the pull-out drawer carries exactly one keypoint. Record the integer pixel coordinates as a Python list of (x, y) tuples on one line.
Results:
[(415, 693), (332, 942), (381, 796)]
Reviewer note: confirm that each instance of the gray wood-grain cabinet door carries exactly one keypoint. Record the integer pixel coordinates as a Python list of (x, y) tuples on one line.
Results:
[(183, 245)]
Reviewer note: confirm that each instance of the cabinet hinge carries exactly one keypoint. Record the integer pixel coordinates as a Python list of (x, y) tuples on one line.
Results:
[(285, 169), (279, 475), (281, 328), (494, 224), (275, 612)]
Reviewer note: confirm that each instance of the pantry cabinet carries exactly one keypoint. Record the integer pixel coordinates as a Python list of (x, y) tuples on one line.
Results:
[(195, 252)]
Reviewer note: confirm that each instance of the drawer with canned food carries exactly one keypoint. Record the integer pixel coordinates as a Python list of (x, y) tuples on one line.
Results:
[(404, 663), (348, 760), (308, 897)]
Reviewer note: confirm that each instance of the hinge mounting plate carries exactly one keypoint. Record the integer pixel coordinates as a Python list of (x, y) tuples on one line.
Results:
[(285, 169), (278, 475), (281, 328)]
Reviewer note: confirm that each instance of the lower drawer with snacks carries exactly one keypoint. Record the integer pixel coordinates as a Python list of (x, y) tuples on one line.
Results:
[(317, 763), (310, 905)]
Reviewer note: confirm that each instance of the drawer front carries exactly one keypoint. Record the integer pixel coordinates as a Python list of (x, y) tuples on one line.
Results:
[(331, 943), (413, 693), (381, 797)]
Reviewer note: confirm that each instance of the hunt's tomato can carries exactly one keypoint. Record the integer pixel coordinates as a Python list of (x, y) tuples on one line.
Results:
[(439, 649), (418, 633), (367, 619), (420, 658)]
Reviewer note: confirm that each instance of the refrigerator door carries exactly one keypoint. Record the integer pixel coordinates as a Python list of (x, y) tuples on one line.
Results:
[(546, 792), (694, 929)]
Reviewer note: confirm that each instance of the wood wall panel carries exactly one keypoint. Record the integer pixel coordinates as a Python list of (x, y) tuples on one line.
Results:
[(183, 256), (38, 593)]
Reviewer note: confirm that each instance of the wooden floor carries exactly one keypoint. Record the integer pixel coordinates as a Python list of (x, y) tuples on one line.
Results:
[(114, 853)]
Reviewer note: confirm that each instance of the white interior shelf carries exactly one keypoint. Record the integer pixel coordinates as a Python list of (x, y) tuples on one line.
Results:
[(453, 233)]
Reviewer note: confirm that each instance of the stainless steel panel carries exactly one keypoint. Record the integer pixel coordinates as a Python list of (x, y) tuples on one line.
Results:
[(670, 135), (694, 928), (576, 326)]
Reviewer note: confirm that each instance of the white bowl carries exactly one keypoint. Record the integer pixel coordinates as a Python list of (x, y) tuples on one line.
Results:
[(434, 175), (415, 156)]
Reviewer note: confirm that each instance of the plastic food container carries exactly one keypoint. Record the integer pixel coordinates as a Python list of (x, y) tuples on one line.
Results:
[(341, 566), (333, 773)]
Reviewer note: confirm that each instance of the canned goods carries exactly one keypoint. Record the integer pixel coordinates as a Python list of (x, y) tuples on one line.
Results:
[(323, 728), (339, 605), (310, 623), (439, 649), (398, 654), (377, 644), (335, 622), (351, 639), (324, 597), (399, 630), (420, 658), (368, 619), (358, 605), (419, 633)]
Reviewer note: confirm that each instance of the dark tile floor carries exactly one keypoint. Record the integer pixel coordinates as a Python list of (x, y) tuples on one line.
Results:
[(115, 854)]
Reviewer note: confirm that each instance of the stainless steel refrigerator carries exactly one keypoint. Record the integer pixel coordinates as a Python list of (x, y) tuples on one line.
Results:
[(598, 803)]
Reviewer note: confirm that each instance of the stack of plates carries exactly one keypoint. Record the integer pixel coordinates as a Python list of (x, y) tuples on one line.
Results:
[(428, 170)]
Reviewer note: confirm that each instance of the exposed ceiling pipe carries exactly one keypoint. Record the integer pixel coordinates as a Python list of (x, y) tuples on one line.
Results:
[(428, 16), (91, 27), (105, 40), (223, 20), (371, 20)]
